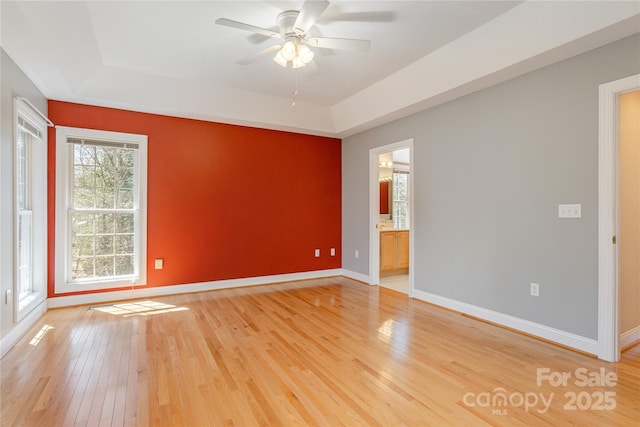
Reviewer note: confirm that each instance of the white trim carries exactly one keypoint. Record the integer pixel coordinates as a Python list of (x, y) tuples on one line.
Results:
[(21, 328), (608, 348), (102, 297), (62, 225), (577, 342), (37, 180), (41, 115), (374, 217), (355, 276), (629, 337)]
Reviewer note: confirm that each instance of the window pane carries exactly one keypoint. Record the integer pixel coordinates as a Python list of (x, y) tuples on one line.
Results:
[(124, 244), (84, 198), (104, 223), (100, 174), (24, 253), (82, 224), (124, 265), (104, 266), (400, 186), (22, 170), (82, 268), (84, 176), (125, 199), (84, 155), (125, 177), (126, 158), (124, 223), (82, 246), (106, 170), (105, 198), (400, 209), (104, 245)]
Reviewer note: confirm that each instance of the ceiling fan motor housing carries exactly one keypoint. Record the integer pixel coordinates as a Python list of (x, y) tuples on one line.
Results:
[(286, 22)]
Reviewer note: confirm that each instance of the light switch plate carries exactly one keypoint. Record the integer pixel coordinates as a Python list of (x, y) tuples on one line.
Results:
[(570, 211)]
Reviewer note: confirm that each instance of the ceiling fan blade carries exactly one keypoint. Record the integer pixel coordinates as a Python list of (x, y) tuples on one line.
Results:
[(246, 27), (380, 16), (309, 14), (340, 44), (254, 57)]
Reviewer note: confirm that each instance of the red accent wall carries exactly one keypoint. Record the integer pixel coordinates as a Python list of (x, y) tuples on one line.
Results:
[(384, 197), (223, 201)]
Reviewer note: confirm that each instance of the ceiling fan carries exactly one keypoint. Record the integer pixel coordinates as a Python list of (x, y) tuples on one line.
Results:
[(294, 28)]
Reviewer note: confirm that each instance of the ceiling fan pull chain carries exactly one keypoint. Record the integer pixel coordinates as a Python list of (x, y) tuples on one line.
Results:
[(295, 92)]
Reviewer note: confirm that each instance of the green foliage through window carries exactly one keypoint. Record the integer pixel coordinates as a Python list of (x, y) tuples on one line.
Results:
[(400, 206), (102, 215)]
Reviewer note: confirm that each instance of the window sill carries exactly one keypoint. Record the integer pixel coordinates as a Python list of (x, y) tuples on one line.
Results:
[(99, 285), (27, 303)]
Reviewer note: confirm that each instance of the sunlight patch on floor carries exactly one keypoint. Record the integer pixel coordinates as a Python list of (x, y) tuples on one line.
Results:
[(139, 308), (38, 337)]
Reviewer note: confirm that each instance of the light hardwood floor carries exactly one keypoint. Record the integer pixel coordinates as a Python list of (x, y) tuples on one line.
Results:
[(320, 352)]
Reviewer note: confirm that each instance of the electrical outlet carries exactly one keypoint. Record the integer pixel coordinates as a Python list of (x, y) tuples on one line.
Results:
[(357, 254), (535, 290), (317, 253), (570, 211), (159, 263), (333, 251)]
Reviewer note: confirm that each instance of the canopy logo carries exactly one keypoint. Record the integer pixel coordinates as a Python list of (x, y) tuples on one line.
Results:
[(499, 399), (584, 399)]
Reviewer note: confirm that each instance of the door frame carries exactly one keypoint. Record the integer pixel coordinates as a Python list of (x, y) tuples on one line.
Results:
[(374, 214), (608, 215)]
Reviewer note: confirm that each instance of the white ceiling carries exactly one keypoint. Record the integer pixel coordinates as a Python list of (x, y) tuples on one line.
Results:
[(169, 57)]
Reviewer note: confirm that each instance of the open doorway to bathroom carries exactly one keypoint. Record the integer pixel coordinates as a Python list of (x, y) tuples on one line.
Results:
[(391, 217), (394, 170)]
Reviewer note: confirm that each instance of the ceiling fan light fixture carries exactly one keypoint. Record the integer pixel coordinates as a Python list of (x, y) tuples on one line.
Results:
[(279, 59), (289, 50), (294, 27), (296, 52), (297, 62), (305, 54)]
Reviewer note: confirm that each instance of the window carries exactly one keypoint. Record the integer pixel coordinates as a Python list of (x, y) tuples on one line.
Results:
[(30, 209), (400, 208), (101, 206), (24, 243)]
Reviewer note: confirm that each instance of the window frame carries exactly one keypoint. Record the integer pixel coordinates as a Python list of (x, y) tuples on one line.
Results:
[(63, 226), (28, 121)]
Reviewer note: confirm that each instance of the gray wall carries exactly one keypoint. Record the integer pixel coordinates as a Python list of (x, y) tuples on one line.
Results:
[(490, 169), (13, 82)]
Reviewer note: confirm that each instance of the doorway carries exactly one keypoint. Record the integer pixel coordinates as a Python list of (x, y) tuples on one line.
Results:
[(629, 219), (609, 216), (391, 217)]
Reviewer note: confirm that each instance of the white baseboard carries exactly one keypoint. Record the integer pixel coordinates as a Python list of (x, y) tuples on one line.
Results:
[(629, 337), (142, 292), (14, 335), (568, 339), (355, 276)]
